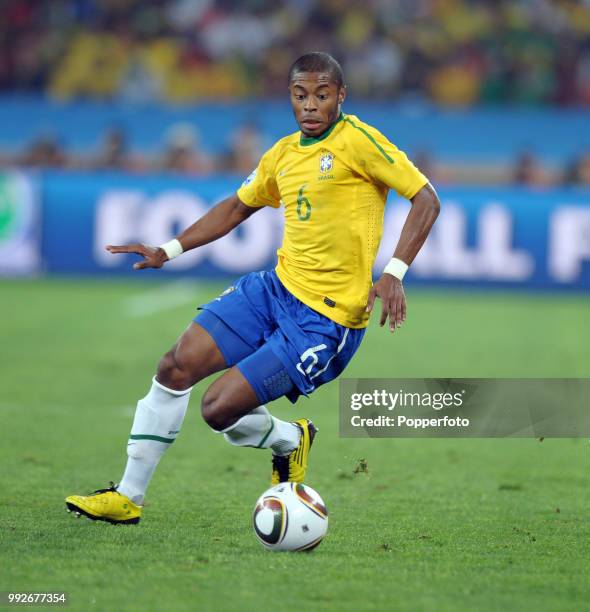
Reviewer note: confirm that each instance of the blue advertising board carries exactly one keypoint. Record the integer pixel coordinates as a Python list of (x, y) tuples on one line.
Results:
[(484, 237)]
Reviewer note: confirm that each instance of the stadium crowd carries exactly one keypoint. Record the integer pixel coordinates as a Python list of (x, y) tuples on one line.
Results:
[(181, 153), (454, 52)]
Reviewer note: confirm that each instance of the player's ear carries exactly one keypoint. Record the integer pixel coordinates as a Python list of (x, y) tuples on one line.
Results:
[(341, 94)]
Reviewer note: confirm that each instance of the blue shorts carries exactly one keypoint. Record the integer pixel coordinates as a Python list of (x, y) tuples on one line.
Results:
[(281, 346)]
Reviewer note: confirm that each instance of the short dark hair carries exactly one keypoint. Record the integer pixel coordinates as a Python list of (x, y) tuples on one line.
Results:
[(318, 62)]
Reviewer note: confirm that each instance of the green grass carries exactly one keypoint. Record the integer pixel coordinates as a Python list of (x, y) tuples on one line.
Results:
[(434, 524)]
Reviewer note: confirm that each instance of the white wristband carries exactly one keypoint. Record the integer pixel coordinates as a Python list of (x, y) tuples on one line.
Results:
[(172, 249), (396, 267)]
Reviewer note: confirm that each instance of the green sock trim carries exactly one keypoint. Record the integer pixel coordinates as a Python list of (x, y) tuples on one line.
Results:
[(272, 426), (150, 437)]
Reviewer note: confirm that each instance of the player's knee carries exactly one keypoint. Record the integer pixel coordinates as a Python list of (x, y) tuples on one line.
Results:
[(166, 367), (212, 410), (172, 375)]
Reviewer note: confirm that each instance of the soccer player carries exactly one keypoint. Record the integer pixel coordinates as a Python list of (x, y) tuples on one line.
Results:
[(292, 329)]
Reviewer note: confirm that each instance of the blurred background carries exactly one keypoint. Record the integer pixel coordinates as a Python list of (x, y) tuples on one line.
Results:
[(124, 120)]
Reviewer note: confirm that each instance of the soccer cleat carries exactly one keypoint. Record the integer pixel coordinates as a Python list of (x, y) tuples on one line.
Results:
[(105, 505), (292, 467)]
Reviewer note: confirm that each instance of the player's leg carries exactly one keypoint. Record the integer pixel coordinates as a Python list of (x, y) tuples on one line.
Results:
[(231, 406), (160, 414), (158, 418), (293, 361), (234, 405), (207, 346)]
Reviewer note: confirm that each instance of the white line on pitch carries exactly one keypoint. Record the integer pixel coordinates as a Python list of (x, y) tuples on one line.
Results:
[(164, 297), (126, 411)]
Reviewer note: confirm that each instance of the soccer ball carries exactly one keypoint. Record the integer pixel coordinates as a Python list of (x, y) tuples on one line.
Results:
[(290, 516)]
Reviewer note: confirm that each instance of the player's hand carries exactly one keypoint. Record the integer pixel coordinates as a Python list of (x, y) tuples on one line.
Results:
[(153, 257), (393, 300)]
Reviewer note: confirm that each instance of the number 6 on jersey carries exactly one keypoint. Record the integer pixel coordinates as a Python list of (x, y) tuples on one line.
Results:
[(303, 202)]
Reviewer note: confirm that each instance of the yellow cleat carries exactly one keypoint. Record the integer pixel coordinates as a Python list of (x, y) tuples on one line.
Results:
[(105, 505), (292, 467)]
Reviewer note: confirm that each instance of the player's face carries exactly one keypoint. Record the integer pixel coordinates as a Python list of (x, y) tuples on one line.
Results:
[(316, 101)]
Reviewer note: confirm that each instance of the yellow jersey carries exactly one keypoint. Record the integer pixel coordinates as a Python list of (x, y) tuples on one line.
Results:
[(333, 189)]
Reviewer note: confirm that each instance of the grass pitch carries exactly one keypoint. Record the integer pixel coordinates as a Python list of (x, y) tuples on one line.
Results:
[(430, 525)]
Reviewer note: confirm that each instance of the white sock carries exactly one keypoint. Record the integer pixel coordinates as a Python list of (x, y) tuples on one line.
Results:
[(158, 418), (261, 430)]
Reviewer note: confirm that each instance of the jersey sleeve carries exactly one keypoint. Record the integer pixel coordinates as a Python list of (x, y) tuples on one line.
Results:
[(382, 161), (260, 188)]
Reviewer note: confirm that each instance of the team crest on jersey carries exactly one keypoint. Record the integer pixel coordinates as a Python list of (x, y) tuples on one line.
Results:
[(249, 179), (326, 162)]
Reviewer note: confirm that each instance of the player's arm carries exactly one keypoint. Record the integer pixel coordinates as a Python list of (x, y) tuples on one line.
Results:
[(217, 222), (420, 219)]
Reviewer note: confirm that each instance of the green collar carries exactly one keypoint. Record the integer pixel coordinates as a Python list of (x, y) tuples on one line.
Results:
[(305, 141)]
